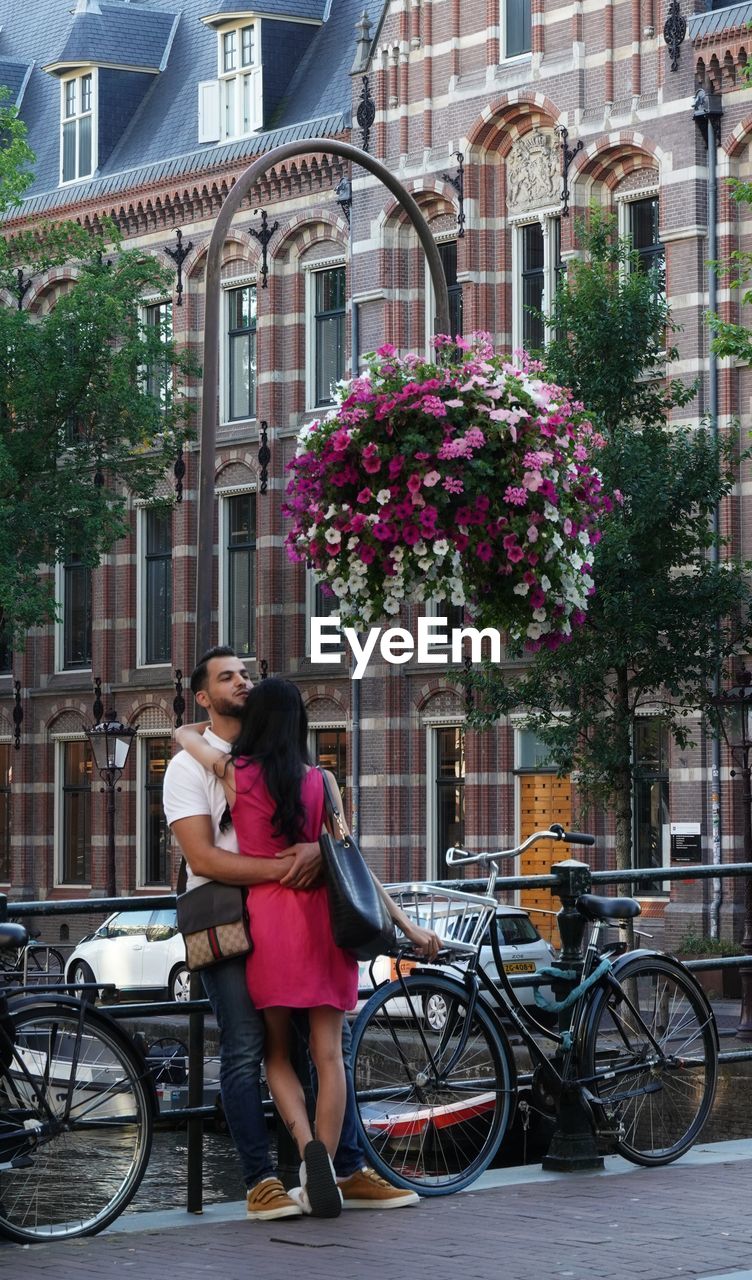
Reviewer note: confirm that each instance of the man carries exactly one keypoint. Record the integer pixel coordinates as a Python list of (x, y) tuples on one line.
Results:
[(196, 810)]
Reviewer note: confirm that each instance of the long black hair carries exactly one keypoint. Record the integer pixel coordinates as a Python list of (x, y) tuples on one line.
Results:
[(274, 734)]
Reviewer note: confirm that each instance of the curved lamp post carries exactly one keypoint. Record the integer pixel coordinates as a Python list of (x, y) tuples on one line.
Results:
[(209, 407), (110, 743)]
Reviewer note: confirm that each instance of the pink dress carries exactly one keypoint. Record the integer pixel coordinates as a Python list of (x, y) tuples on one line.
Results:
[(295, 961)]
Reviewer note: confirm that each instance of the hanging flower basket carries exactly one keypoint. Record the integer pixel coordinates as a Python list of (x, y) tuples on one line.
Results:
[(471, 481)]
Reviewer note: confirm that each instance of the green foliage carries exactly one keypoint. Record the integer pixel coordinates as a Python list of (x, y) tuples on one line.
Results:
[(664, 614), (92, 402), (695, 946)]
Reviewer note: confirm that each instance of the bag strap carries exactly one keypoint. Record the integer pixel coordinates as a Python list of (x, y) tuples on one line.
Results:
[(182, 877), (332, 809)]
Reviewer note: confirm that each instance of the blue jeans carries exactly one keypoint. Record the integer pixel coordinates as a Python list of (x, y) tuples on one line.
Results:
[(241, 1050)]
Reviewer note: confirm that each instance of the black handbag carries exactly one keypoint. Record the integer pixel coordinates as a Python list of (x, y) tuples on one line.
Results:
[(213, 919), (360, 918)]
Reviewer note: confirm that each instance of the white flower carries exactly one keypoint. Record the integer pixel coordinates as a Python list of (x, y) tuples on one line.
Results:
[(383, 496), (330, 513), (458, 597), (521, 588), (440, 548), (539, 615), (551, 513), (534, 631), (333, 536), (352, 543), (391, 605), (339, 587), (545, 583)]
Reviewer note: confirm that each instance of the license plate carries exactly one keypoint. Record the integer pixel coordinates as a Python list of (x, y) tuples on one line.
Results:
[(406, 966), (519, 966)]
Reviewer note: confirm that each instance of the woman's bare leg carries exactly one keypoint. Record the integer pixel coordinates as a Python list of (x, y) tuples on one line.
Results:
[(325, 1043), (284, 1085)]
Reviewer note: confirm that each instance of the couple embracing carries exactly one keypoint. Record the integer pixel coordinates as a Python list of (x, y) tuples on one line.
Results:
[(247, 808)]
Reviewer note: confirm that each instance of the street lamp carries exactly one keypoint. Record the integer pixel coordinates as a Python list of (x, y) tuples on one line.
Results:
[(110, 743), (737, 704)]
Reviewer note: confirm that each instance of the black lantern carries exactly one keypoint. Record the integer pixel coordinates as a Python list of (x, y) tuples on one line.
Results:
[(110, 743)]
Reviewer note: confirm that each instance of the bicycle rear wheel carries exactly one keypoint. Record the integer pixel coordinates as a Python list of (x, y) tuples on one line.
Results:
[(76, 1125), (651, 1050), (433, 1104)]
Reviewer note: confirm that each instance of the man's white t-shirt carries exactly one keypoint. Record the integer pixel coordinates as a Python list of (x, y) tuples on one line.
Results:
[(190, 791)]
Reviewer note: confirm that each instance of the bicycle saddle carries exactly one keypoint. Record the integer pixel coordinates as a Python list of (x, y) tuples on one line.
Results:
[(12, 935), (594, 908)]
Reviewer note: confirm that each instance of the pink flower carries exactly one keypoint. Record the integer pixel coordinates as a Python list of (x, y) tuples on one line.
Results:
[(484, 551), (395, 466), (433, 406), (363, 497), (514, 554), (366, 554), (515, 495), (532, 534), (431, 478), (537, 598), (410, 535), (371, 460), (387, 350), (414, 483), (452, 485)]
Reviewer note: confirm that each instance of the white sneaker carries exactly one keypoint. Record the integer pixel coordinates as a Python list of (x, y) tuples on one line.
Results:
[(299, 1196)]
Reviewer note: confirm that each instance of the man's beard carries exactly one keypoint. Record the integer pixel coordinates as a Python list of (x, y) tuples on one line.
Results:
[(223, 707)]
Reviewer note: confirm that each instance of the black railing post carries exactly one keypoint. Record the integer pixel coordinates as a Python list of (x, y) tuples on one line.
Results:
[(573, 1145), (3, 906), (195, 1197)]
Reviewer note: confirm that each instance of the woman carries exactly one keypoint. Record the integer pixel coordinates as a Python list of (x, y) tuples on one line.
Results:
[(277, 799)]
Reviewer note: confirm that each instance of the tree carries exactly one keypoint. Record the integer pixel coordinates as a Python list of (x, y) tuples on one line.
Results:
[(92, 401), (663, 614)]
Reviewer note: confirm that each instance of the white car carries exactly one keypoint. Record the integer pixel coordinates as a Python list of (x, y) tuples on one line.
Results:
[(134, 951), (523, 951)]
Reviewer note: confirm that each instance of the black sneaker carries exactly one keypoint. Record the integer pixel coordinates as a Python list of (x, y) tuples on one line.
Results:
[(319, 1182)]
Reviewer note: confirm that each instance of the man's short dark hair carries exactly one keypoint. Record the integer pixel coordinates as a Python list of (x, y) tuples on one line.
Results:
[(199, 675)]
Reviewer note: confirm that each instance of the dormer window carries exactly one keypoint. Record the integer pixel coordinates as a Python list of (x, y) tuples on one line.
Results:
[(239, 81), (78, 134)]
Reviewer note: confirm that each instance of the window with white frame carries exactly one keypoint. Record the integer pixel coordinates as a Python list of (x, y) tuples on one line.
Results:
[(240, 349), (446, 794), (73, 768), (319, 604), (329, 751), (516, 26), (155, 754), (448, 254), (74, 633), (536, 272), (238, 524), (327, 343), (158, 320), (240, 81), (78, 134), (155, 585)]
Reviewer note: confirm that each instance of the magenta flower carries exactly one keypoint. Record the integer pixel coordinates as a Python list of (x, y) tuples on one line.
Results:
[(484, 551), (363, 497), (370, 459)]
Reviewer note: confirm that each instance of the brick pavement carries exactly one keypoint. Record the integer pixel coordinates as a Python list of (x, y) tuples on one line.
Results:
[(692, 1219)]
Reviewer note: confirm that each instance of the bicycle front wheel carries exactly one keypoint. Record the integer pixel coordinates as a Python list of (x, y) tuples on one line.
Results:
[(43, 965), (650, 1050), (75, 1125), (434, 1094)]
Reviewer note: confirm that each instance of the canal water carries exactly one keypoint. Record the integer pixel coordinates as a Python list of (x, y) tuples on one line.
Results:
[(164, 1185)]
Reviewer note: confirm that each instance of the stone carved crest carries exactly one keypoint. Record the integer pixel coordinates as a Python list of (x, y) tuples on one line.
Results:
[(533, 178)]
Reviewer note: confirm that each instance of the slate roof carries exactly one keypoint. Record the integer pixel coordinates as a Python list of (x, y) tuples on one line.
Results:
[(161, 139), (128, 35), (14, 76), (702, 25), (288, 8)]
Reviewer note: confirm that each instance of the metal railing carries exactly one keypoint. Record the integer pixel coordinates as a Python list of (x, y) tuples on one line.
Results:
[(195, 1113)]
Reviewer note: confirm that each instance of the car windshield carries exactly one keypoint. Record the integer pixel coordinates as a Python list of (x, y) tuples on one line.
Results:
[(128, 923), (515, 930)]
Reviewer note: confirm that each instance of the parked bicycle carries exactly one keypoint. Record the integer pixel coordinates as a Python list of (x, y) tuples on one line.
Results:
[(640, 1053), (77, 1110), (32, 964)]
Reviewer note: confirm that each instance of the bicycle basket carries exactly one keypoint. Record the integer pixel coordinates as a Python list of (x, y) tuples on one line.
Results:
[(461, 919)]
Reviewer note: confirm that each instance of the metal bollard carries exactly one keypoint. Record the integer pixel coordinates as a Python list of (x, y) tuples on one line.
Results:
[(195, 1200), (573, 1145)]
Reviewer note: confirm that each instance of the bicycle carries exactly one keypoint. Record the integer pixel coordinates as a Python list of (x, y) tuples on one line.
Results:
[(32, 964), (77, 1111), (436, 1096)]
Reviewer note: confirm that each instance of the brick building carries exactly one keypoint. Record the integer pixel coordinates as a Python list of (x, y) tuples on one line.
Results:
[(147, 112)]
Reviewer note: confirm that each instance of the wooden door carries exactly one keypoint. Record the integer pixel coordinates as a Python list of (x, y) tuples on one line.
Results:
[(544, 799)]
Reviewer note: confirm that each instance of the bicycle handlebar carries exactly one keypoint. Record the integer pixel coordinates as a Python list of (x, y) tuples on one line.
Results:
[(454, 856)]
